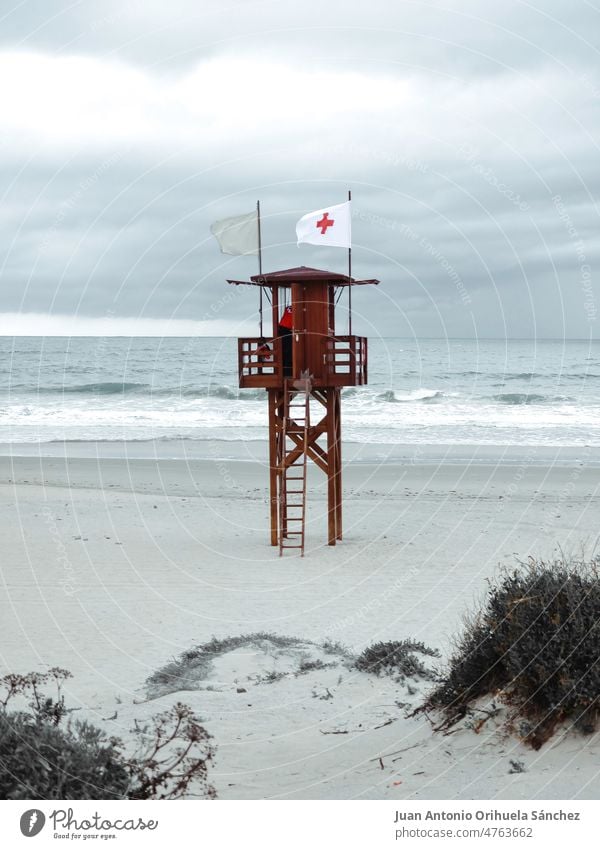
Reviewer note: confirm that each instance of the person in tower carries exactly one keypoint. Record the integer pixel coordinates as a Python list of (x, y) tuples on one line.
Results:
[(285, 332), (264, 354)]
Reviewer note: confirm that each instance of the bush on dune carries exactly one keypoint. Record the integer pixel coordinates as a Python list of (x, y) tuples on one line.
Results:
[(42, 756), (39, 760), (534, 646)]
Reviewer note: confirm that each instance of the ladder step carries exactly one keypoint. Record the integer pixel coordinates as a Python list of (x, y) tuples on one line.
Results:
[(296, 432)]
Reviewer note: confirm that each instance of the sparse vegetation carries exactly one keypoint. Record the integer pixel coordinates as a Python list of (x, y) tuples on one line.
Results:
[(194, 665), (28, 687), (333, 647), (399, 658), (175, 757), (534, 646), (271, 677), (307, 665), (187, 671)]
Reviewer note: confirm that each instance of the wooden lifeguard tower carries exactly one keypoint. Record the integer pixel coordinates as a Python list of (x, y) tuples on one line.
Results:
[(303, 358)]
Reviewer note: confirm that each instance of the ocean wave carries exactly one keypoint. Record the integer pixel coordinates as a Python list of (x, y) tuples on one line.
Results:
[(521, 398), (392, 396), (451, 375), (102, 388), (531, 375), (227, 393), (123, 387)]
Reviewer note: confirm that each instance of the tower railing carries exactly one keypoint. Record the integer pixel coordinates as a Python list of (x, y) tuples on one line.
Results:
[(258, 366), (343, 359)]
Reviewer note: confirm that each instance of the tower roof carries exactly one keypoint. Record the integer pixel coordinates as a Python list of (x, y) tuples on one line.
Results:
[(301, 274)]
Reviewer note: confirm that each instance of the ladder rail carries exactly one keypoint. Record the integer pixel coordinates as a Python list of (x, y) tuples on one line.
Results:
[(295, 472)]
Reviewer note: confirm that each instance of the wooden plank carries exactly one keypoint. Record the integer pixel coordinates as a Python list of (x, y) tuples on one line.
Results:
[(338, 461), (331, 495), (273, 466), (315, 452)]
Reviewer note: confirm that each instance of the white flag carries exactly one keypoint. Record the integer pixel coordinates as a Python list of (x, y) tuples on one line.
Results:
[(237, 235), (330, 226)]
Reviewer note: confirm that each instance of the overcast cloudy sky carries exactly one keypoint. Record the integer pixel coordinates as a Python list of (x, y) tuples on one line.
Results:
[(468, 132)]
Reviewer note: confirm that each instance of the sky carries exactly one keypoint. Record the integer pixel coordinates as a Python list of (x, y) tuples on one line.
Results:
[(468, 132)]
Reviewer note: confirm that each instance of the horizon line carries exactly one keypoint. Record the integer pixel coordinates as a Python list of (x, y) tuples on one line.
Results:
[(229, 336)]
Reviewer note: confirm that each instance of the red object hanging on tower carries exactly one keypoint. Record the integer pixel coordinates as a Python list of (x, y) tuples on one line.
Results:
[(286, 318)]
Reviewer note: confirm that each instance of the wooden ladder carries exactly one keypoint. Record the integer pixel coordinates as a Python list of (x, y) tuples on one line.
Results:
[(292, 505)]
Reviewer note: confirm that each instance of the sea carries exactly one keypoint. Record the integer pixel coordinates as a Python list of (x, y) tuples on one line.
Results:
[(526, 393)]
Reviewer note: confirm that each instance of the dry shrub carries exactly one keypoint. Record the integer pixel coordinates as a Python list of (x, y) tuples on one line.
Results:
[(39, 760), (398, 658), (535, 646), (175, 759)]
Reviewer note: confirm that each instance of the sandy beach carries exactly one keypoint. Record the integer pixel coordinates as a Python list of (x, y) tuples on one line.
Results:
[(114, 565)]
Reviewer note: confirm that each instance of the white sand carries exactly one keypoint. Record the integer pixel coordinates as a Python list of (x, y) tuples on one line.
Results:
[(112, 567)]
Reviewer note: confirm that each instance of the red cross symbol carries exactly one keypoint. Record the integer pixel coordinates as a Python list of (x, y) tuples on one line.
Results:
[(325, 222)]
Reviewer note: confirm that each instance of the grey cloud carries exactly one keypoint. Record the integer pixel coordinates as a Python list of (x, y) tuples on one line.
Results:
[(457, 215), (453, 36)]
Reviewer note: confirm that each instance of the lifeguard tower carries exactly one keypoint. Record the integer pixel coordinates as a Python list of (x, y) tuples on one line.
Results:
[(303, 358)]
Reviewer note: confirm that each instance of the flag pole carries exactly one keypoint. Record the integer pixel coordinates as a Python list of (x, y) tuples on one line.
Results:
[(349, 275), (260, 267)]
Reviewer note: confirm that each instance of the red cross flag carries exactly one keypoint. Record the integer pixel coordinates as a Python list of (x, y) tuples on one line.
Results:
[(330, 226)]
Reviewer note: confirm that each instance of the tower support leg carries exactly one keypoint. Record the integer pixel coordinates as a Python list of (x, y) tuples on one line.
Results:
[(338, 462), (274, 464), (328, 459), (334, 471)]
